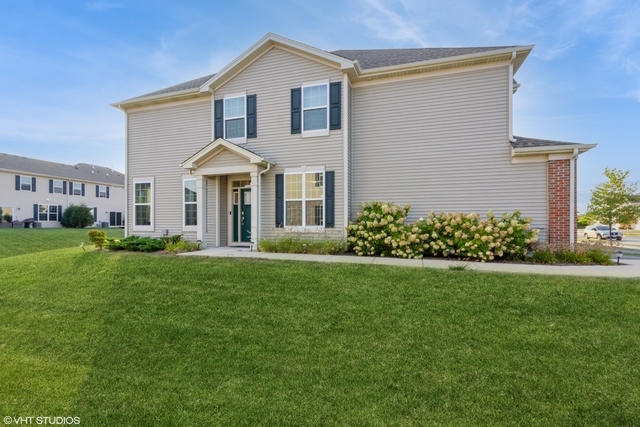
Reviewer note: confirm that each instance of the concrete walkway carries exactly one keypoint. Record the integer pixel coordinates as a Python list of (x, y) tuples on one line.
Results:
[(629, 266)]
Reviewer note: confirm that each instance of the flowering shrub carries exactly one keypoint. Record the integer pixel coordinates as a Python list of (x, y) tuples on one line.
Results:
[(380, 229), (470, 237)]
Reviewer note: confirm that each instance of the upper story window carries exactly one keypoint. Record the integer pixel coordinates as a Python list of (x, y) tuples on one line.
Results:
[(57, 186), (76, 188), (314, 108), (102, 191), (235, 117), (26, 183)]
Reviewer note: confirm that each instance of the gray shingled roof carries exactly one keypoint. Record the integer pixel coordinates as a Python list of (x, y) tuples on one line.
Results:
[(376, 58), (191, 84), (523, 142), (81, 172), (367, 58)]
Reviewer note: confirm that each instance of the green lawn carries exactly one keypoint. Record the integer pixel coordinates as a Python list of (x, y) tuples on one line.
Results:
[(122, 339), (19, 241)]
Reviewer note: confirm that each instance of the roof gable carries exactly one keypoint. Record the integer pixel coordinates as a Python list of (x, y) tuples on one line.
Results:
[(218, 146)]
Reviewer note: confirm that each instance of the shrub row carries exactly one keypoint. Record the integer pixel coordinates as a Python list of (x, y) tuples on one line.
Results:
[(580, 253), (174, 244), (380, 229)]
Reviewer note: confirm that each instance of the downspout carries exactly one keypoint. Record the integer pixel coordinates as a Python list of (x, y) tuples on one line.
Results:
[(260, 201), (572, 196), (510, 106)]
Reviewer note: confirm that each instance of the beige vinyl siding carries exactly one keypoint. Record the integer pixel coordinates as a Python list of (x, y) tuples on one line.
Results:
[(441, 143), (159, 139), (224, 159), (271, 78)]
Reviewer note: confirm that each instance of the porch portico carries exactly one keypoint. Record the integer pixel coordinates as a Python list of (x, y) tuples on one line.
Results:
[(235, 174)]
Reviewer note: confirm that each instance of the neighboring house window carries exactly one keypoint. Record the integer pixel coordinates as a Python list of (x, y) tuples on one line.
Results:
[(25, 183), (47, 213), (235, 117), (57, 186), (304, 199), (316, 108), (143, 204), (76, 188), (190, 203), (102, 191)]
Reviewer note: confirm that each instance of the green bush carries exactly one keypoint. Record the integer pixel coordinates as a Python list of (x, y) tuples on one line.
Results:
[(299, 245), (136, 244), (544, 256), (98, 238), (176, 246), (579, 253), (77, 216)]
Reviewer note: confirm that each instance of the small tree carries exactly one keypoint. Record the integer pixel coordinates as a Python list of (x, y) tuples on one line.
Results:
[(611, 201), (77, 216)]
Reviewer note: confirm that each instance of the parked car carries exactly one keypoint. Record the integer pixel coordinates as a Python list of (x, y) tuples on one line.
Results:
[(602, 232)]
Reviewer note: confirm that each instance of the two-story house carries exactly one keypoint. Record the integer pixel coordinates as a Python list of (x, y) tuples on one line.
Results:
[(42, 190), (288, 138)]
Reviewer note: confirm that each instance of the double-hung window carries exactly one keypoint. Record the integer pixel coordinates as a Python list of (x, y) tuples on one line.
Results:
[(315, 116), (143, 204), (190, 203), (57, 186), (304, 198), (76, 188), (235, 117), (47, 213), (25, 183), (102, 191)]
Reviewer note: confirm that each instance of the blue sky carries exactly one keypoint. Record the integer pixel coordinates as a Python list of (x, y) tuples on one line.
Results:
[(63, 62)]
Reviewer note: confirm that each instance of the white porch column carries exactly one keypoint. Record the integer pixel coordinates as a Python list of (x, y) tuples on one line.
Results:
[(254, 207), (201, 194)]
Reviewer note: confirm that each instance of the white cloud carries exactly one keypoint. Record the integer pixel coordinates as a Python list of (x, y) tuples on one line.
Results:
[(391, 25)]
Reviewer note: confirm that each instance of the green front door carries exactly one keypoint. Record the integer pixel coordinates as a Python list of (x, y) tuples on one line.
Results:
[(245, 215)]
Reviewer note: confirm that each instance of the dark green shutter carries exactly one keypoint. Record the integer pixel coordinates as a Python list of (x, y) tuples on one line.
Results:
[(64, 187), (218, 119), (35, 212), (50, 186), (335, 95), (83, 189), (95, 214), (17, 182), (59, 213), (296, 110), (107, 192), (33, 184), (330, 199), (252, 124), (97, 191), (280, 200)]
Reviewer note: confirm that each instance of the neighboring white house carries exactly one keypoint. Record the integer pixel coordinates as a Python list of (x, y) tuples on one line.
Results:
[(42, 190), (288, 138)]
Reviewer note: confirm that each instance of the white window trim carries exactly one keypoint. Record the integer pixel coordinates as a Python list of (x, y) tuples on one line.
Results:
[(317, 132), (26, 183), (184, 217), (48, 213), (55, 187), (242, 95), (100, 188), (151, 203), (304, 170)]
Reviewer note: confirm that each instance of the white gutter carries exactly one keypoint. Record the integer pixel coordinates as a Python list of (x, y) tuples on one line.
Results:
[(572, 195), (260, 201), (510, 102), (345, 148)]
